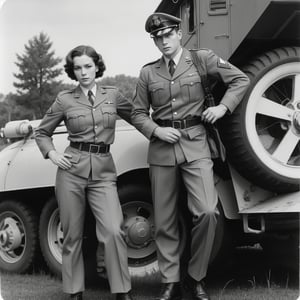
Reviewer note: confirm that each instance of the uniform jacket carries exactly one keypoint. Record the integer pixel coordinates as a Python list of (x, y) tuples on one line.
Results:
[(88, 124), (178, 97)]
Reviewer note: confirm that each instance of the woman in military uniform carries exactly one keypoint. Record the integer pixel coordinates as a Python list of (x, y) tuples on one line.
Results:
[(86, 170)]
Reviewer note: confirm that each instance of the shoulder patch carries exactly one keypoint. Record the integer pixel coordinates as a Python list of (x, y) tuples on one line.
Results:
[(151, 63), (49, 111), (223, 64)]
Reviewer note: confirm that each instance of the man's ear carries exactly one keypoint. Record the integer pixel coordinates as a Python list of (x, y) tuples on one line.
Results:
[(179, 32)]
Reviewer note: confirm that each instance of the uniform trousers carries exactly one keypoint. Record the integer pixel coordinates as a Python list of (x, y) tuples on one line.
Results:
[(72, 192), (202, 201)]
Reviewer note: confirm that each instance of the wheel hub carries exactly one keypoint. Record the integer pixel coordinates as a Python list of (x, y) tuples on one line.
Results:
[(296, 121), (138, 232), (10, 235)]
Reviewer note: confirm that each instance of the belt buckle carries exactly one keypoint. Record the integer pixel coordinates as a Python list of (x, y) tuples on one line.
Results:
[(92, 146), (176, 124)]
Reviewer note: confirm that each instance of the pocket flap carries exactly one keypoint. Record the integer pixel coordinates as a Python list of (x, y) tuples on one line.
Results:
[(74, 115), (190, 80), (156, 86), (195, 131), (108, 109)]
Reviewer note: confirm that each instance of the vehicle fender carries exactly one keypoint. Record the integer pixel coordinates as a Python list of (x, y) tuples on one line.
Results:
[(26, 168), (227, 197)]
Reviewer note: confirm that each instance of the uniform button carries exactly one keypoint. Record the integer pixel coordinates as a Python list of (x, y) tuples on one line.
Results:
[(96, 138), (192, 83), (174, 100), (96, 127), (94, 109), (175, 113), (172, 82)]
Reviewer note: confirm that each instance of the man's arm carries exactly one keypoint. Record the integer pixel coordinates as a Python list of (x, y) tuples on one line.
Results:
[(140, 115), (234, 79)]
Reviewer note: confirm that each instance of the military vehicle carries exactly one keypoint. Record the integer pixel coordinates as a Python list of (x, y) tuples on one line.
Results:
[(258, 185)]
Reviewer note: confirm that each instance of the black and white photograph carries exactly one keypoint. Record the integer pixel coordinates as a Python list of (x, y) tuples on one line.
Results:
[(149, 150)]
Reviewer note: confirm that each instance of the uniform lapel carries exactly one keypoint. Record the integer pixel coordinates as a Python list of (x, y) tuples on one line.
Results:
[(100, 96), (80, 96), (161, 69), (184, 64)]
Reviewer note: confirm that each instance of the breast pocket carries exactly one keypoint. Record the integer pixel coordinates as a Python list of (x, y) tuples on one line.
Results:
[(109, 115), (191, 88), (159, 94), (76, 122)]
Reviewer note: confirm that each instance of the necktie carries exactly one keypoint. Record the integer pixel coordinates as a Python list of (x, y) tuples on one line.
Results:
[(171, 67), (91, 97)]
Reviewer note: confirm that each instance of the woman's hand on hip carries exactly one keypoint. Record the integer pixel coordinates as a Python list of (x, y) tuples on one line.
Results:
[(60, 159)]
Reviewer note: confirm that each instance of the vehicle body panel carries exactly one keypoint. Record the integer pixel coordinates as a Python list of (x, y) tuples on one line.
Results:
[(129, 152), (230, 31)]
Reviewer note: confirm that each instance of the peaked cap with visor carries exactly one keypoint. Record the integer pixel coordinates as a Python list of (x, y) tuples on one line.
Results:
[(159, 24)]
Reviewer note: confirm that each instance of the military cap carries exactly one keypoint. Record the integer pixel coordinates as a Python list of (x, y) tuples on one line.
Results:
[(159, 24)]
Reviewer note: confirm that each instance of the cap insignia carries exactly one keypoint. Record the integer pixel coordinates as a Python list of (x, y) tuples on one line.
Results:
[(156, 21)]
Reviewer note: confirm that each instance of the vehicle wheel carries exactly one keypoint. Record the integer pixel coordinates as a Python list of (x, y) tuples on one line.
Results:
[(139, 229), (18, 237), (262, 136), (51, 236)]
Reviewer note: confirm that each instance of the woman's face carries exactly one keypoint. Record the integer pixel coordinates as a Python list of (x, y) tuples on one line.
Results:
[(85, 70)]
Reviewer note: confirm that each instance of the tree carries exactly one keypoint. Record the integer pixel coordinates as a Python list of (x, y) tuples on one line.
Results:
[(37, 86), (126, 84)]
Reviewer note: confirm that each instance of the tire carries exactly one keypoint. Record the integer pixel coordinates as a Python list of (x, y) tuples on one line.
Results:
[(18, 237), (262, 136), (51, 236), (139, 229), (137, 209)]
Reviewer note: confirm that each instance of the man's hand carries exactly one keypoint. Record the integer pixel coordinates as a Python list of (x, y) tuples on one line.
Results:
[(60, 159), (167, 134), (213, 113)]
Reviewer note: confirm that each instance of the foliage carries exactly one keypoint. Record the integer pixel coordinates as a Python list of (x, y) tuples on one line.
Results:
[(126, 84), (37, 84)]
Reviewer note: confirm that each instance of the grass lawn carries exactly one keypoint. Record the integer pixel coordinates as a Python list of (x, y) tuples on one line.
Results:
[(45, 287), (249, 275)]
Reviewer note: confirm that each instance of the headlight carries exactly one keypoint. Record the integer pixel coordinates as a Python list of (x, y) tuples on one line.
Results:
[(16, 129)]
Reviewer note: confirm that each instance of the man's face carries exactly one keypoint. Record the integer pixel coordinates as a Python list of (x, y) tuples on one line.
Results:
[(169, 43)]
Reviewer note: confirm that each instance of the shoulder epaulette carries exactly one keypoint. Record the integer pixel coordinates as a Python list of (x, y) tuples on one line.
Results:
[(200, 49), (65, 92), (151, 63), (108, 87)]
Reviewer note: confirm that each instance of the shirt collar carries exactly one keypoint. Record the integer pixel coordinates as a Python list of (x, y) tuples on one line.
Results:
[(85, 90), (176, 58)]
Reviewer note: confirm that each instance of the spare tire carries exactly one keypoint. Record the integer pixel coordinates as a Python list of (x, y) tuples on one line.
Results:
[(262, 135)]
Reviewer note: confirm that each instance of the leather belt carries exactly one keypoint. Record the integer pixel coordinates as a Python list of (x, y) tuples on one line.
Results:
[(91, 148), (179, 124)]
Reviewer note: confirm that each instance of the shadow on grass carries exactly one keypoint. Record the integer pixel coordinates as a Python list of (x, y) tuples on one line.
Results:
[(249, 275)]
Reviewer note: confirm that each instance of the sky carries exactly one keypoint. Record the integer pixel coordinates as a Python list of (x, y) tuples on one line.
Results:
[(115, 28)]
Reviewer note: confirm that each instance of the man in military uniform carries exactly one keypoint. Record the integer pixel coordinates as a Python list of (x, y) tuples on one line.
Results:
[(178, 147)]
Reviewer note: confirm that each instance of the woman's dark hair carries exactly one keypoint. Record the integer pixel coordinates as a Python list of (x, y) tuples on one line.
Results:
[(84, 50)]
